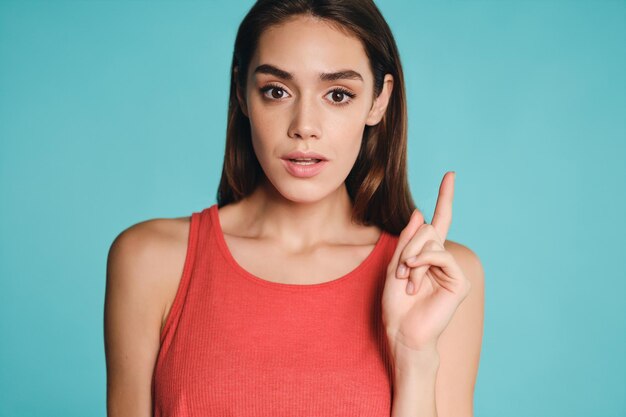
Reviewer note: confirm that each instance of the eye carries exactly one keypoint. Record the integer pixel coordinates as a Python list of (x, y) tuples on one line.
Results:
[(276, 89), (338, 95), (341, 93)]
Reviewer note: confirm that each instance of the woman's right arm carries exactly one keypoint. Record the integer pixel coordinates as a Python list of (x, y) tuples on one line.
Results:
[(140, 267)]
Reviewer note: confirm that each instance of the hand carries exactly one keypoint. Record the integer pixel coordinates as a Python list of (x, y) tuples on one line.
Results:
[(415, 312)]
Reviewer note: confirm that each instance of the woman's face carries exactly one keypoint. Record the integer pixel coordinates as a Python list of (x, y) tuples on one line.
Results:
[(292, 109)]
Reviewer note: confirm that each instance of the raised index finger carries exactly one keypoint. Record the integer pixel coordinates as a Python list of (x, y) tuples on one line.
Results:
[(443, 210)]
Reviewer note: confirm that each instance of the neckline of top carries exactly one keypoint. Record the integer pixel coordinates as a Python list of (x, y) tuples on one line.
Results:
[(221, 240)]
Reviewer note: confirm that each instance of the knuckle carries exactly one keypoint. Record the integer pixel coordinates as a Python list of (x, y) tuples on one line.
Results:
[(431, 245), (406, 253), (415, 273)]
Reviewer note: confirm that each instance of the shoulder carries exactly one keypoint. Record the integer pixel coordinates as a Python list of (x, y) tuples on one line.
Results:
[(146, 259), (460, 343), (147, 241), (142, 268)]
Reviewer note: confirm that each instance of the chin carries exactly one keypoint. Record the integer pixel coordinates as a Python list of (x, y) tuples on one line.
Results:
[(301, 196), (304, 193), (299, 190)]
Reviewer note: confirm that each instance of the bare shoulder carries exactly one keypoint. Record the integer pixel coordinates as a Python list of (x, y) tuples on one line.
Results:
[(144, 266), (153, 232), (460, 343), (152, 235), (152, 253)]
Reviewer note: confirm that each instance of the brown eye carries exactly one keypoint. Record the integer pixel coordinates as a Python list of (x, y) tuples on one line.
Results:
[(276, 92), (339, 94)]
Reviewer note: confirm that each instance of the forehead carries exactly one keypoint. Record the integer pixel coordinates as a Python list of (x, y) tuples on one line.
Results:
[(307, 46)]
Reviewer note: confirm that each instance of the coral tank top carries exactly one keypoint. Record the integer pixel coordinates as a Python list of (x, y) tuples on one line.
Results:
[(237, 345)]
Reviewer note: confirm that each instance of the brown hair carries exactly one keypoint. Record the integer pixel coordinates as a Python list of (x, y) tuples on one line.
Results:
[(377, 183)]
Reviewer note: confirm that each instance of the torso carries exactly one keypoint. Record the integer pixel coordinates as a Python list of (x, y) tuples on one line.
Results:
[(267, 260)]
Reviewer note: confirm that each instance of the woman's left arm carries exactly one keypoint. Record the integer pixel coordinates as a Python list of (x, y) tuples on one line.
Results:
[(434, 320), (460, 343), (450, 370)]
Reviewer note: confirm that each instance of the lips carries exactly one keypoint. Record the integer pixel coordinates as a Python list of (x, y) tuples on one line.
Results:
[(304, 170), (304, 155)]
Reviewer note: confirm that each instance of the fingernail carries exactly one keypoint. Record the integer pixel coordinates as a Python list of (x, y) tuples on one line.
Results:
[(401, 270), (409, 287)]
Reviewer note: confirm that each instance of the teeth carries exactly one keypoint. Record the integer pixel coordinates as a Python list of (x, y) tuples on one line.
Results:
[(304, 161)]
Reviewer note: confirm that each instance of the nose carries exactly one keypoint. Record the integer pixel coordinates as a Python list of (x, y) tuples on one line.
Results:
[(304, 123)]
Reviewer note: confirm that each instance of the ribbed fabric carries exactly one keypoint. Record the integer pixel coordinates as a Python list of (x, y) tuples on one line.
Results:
[(238, 345)]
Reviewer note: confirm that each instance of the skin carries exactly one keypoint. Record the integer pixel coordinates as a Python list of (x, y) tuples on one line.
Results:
[(416, 314), (303, 221), (298, 212)]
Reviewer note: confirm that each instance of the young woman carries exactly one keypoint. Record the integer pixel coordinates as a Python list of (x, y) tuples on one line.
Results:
[(314, 287)]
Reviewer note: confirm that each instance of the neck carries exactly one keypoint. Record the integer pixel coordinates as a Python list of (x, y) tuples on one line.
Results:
[(298, 225)]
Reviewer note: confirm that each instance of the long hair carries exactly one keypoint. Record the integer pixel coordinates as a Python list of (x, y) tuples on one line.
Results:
[(377, 184)]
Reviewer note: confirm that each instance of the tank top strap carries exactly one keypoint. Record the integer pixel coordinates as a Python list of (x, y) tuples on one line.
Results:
[(196, 224), (206, 241), (392, 243)]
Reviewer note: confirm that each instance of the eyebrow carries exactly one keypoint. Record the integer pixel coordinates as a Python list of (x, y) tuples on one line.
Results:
[(324, 76)]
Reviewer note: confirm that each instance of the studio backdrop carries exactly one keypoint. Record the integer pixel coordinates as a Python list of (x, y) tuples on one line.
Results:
[(114, 112)]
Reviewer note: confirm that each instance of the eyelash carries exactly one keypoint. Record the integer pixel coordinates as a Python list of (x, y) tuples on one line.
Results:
[(348, 93)]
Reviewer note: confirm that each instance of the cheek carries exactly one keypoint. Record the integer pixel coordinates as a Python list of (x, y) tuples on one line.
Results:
[(264, 150), (346, 127), (265, 129), (263, 122), (349, 151), (346, 133)]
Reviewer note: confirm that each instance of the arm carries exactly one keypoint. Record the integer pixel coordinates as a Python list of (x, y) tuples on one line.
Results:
[(442, 383), (460, 343), (414, 384), (139, 267)]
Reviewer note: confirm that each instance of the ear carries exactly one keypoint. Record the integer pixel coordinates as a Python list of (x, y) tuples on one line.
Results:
[(240, 98), (379, 106)]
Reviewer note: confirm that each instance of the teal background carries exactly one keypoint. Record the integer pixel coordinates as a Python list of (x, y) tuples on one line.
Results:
[(114, 112)]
